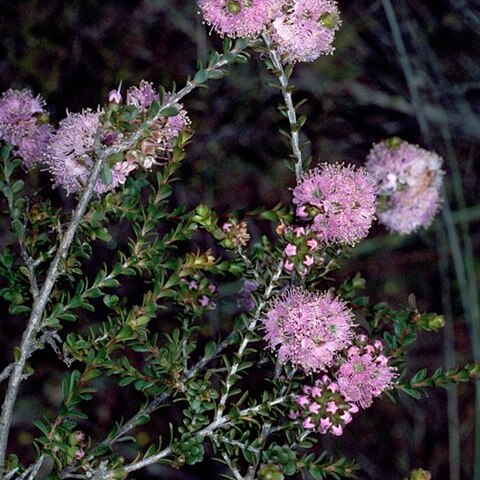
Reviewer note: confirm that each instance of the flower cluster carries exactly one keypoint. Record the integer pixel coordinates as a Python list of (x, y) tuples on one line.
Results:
[(152, 147), (238, 18), (409, 181), (309, 329), (71, 153), (236, 234), (365, 373), (22, 123), (305, 29), (302, 250), (323, 408), (315, 333), (197, 292), (339, 201), (301, 29)]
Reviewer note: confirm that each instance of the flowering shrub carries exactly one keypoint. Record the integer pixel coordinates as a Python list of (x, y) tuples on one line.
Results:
[(317, 348)]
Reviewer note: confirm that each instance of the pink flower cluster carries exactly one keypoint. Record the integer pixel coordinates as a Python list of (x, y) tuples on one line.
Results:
[(21, 116), (305, 29), (152, 148), (302, 250), (323, 408), (339, 201), (301, 29), (238, 18), (365, 373), (310, 330), (315, 333), (70, 154), (197, 293), (409, 181)]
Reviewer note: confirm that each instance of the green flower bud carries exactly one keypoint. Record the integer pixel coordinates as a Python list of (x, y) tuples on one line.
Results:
[(330, 20), (393, 143), (233, 7), (270, 472), (420, 474)]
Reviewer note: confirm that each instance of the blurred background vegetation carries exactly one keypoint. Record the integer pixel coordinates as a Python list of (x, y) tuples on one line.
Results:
[(411, 71)]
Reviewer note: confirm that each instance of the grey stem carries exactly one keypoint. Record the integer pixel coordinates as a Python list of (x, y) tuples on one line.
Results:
[(39, 307), (287, 98)]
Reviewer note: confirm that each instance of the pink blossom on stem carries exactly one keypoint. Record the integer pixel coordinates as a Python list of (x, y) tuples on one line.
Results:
[(238, 18), (364, 375), (305, 29), (19, 125), (290, 250), (288, 265), (340, 200), (409, 180), (323, 409), (308, 329)]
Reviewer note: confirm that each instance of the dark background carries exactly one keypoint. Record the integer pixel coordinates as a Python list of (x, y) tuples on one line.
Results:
[(73, 52)]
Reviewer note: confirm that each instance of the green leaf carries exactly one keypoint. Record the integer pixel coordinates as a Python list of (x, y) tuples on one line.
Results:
[(154, 109), (42, 427), (201, 76), (169, 111), (106, 175)]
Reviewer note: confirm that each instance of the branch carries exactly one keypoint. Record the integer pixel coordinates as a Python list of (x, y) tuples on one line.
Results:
[(283, 78), (39, 305), (223, 421), (230, 380)]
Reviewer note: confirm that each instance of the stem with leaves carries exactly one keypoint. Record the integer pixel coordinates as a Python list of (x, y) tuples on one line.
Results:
[(220, 422), (283, 74), (39, 306)]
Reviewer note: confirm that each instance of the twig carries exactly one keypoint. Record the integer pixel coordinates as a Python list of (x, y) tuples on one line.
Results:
[(31, 473), (247, 339), (223, 421), (287, 98)]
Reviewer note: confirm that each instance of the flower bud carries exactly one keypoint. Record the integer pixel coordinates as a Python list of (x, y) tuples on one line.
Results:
[(114, 96), (420, 474), (270, 472)]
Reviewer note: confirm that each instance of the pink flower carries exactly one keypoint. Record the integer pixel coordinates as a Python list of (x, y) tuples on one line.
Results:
[(312, 244), (409, 181), (309, 329), (303, 400), (340, 200), (309, 261), (325, 424), (299, 231), (331, 407), (322, 409), (203, 300), (290, 250), (238, 18), (305, 29), (114, 96), (19, 126), (142, 96), (79, 454), (336, 430), (288, 265), (308, 424), (364, 375)]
